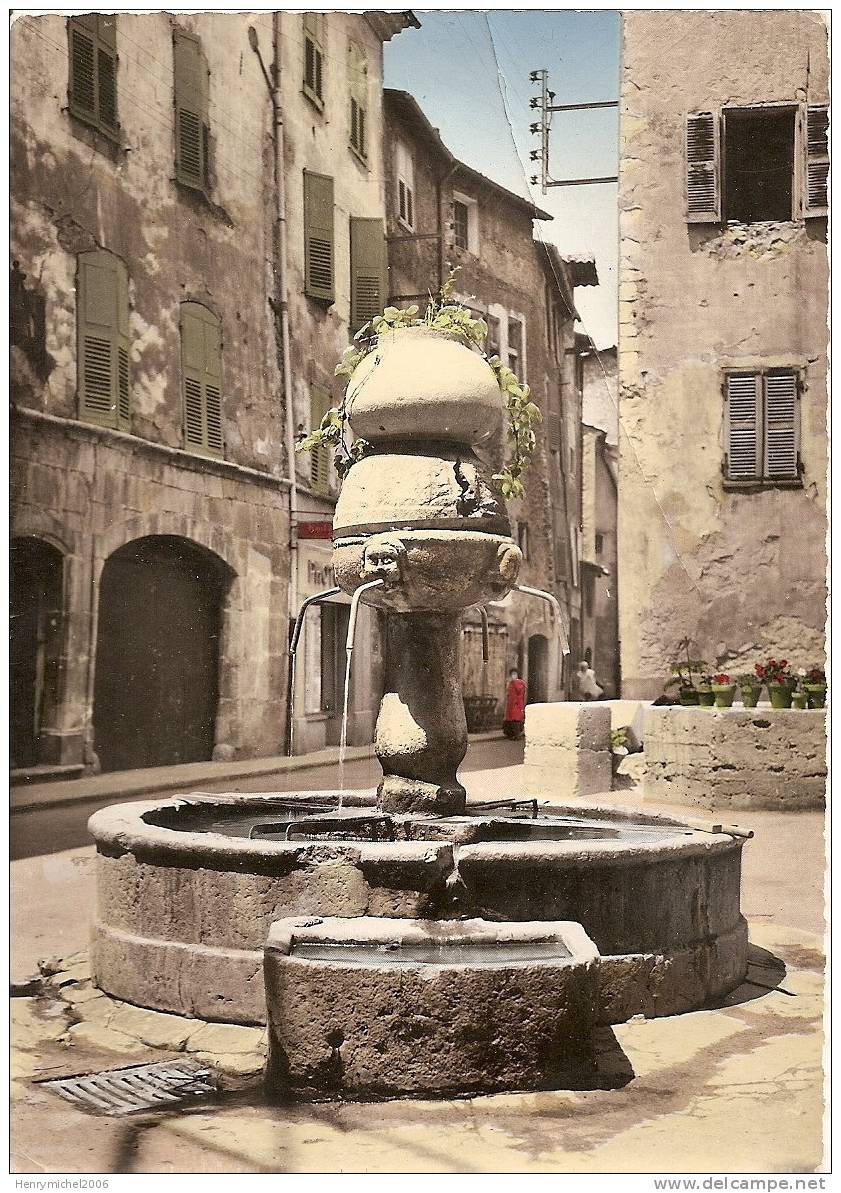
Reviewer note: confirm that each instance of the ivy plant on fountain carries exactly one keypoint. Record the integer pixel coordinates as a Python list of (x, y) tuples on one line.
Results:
[(421, 521)]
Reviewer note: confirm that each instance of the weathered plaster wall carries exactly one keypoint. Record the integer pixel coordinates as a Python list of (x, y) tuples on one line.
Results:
[(740, 572)]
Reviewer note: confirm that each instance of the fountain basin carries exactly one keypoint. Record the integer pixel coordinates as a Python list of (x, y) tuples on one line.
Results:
[(185, 899), (380, 1007)]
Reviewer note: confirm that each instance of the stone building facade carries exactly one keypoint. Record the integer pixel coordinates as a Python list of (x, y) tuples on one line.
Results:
[(442, 214), (600, 581), (151, 529), (722, 339)]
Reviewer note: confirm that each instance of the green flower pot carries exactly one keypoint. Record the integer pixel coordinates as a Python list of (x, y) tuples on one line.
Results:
[(750, 696), (781, 694), (798, 700), (815, 694), (706, 697), (724, 694), (688, 697)]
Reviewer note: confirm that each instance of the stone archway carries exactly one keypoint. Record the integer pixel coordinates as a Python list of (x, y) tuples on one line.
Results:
[(156, 685), (36, 608)]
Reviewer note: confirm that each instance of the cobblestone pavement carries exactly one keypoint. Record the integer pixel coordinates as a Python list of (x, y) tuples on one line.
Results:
[(734, 1088)]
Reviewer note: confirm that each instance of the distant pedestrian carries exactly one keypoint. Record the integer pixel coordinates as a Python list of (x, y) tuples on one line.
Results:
[(515, 705), (585, 682)]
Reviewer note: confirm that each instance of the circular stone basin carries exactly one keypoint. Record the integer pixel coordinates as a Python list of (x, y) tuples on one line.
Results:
[(188, 888)]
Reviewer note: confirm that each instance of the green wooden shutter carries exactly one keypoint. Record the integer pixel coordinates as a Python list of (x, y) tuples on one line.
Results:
[(102, 312), (320, 456), (191, 111), (314, 56), (201, 373), (743, 426), (368, 270), (318, 236), (703, 186), (817, 162), (93, 70), (357, 76), (781, 426)]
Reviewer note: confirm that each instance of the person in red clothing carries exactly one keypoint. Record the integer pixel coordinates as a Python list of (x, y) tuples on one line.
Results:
[(515, 705)]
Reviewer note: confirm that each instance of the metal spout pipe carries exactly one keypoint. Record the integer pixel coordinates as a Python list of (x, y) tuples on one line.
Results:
[(556, 609), (290, 669)]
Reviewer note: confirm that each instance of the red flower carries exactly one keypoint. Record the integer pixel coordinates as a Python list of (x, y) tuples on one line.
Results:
[(721, 679)]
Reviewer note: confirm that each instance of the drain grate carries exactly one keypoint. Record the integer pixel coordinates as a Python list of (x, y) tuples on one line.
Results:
[(137, 1087)]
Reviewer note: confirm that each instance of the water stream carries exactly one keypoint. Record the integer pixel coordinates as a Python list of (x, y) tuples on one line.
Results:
[(351, 634)]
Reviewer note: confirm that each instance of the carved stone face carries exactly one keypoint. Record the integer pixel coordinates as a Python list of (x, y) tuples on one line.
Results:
[(382, 559)]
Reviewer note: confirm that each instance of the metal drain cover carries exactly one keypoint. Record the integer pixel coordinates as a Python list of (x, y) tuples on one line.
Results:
[(137, 1087)]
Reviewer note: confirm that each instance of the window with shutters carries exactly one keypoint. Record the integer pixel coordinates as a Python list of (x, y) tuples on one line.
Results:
[(515, 348), (465, 223), (318, 237), (313, 84), (357, 68), (743, 164), (762, 427), (201, 379), (192, 122), (405, 169), (368, 271), (319, 456), (493, 341), (102, 318), (93, 71)]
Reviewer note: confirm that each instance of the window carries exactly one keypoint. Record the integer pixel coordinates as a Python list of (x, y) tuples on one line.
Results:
[(318, 236), (201, 379), (743, 164), (493, 339), (599, 543), (466, 223), (515, 348), (102, 316), (93, 71), (192, 125), (368, 271), (523, 538), (762, 426), (314, 57), (405, 186), (358, 93), (319, 456)]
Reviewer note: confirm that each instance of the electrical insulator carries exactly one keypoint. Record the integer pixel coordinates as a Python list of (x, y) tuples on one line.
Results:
[(534, 128), (534, 102), (534, 180), (535, 155)]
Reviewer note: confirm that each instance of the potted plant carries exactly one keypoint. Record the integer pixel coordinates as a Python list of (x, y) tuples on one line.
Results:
[(814, 685), (751, 689), (682, 676), (724, 690), (798, 698), (781, 683), (704, 688)]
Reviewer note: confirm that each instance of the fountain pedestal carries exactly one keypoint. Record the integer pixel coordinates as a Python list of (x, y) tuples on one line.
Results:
[(421, 735)]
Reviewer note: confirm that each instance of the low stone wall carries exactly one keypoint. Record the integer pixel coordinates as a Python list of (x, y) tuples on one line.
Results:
[(736, 758), (567, 751)]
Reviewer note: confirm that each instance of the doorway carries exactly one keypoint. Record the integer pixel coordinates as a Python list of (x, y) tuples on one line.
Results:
[(35, 582), (538, 673)]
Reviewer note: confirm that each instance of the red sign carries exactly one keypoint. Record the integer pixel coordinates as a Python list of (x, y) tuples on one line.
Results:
[(315, 530)]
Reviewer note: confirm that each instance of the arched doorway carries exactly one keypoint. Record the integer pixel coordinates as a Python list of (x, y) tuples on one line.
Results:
[(157, 657), (34, 643), (538, 672)]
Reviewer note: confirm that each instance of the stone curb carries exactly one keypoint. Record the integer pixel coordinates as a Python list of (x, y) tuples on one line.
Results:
[(120, 785)]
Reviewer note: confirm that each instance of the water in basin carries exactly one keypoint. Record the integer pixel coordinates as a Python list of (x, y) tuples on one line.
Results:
[(432, 952)]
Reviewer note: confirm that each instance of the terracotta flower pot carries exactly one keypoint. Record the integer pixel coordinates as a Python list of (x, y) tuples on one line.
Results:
[(706, 697), (781, 694), (751, 694), (815, 694), (724, 694)]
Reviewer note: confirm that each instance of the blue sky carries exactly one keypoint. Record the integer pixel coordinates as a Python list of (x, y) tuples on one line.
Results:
[(448, 65)]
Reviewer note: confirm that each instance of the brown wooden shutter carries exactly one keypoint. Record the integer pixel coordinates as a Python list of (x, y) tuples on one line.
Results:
[(314, 56), (817, 162), (201, 371), (703, 185), (320, 456), (191, 111), (368, 270), (554, 431), (93, 70), (743, 417), (781, 426), (318, 236), (357, 76), (102, 314)]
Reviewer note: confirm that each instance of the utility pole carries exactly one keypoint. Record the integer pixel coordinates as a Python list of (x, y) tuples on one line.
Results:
[(543, 103)]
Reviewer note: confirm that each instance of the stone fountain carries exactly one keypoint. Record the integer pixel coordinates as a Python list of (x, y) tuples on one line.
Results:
[(392, 947)]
